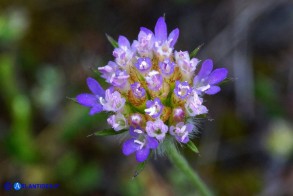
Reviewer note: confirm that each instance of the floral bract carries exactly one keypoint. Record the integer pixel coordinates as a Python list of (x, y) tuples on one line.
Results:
[(154, 92)]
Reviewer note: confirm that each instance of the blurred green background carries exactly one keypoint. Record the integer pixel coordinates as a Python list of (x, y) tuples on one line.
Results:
[(48, 48)]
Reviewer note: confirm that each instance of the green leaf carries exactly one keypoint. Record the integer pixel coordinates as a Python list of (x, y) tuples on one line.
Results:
[(226, 80), (139, 169), (72, 99), (112, 41), (107, 132), (195, 51), (192, 147)]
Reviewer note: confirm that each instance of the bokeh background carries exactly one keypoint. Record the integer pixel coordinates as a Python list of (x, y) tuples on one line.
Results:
[(49, 48)]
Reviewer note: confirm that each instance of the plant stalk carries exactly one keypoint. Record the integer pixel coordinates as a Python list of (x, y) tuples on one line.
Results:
[(179, 161)]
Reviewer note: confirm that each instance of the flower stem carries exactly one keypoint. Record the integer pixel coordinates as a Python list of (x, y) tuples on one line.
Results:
[(177, 159)]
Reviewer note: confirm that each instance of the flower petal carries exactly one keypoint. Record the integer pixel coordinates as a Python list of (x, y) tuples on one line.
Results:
[(171, 130), (206, 68), (134, 133), (145, 30), (174, 36), (213, 90), (152, 143), (86, 99), (218, 75), (189, 127), (161, 29), (95, 87), (123, 41), (185, 140), (129, 147), (96, 109), (142, 155)]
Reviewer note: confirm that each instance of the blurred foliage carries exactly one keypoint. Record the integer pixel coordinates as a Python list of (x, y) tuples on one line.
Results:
[(47, 49), (12, 26), (279, 141)]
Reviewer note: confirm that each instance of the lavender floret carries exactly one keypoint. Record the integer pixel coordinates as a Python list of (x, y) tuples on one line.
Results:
[(92, 100), (206, 81), (140, 143)]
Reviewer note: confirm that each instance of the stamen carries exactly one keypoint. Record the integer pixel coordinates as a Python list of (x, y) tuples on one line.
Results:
[(152, 110), (137, 131), (141, 144)]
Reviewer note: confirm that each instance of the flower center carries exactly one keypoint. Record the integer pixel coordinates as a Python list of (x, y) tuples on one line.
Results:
[(154, 80), (143, 64), (183, 90), (158, 131), (140, 143)]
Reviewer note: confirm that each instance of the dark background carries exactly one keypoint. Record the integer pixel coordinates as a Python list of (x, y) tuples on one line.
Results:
[(47, 50)]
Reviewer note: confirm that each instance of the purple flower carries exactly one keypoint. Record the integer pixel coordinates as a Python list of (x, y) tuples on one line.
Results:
[(190, 66), (186, 65), (112, 101), (137, 90), (143, 64), (178, 114), (154, 108), (124, 54), (154, 80), (182, 89), (181, 57), (145, 43), (161, 32), (167, 67), (181, 131), (156, 129), (139, 143), (92, 100), (194, 105), (154, 90), (136, 120), (114, 75), (109, 70), (117, 122), (206, 80), (119, 78), (163, 44)]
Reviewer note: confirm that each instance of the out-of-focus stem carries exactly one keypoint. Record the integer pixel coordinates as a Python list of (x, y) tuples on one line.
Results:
[(179, 161)]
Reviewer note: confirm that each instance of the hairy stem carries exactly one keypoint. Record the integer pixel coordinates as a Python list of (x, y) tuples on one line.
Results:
[(179, 161)]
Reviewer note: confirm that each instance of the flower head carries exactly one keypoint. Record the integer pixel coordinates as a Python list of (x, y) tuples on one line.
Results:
[(155, 91)]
